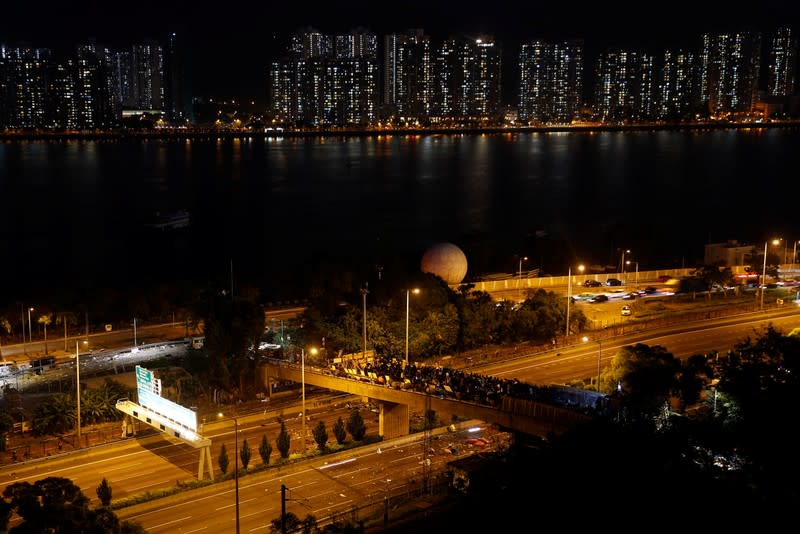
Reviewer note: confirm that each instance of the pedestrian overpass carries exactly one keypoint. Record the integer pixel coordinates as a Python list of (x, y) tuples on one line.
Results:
[(395, 404)]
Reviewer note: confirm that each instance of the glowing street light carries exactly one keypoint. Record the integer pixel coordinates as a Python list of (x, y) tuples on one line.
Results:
[(524, 258), (312, 350), (764, 272), (599, 357), (408, 306), (78, 389), (30, 336), (637, 271), (622, 262), (569, 296), (235, 463)]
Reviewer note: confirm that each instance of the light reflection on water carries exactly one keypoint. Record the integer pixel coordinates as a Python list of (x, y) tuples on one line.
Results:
[(77, 209)]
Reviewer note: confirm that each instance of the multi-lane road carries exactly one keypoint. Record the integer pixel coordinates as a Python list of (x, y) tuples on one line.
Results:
[(329, 484)]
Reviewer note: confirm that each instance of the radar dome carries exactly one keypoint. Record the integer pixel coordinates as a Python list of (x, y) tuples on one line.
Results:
[(446, 261)]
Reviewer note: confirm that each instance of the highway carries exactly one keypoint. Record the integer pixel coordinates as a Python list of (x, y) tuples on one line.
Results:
[(337, 483)]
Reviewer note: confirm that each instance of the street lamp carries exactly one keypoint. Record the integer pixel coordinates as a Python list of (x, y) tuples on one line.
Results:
[(637, 271), (303, 388), (599, 356), (235, 464), (408, 306), (524, 258), (622, 262), (78, 389), (569, 297), (764, 272), (30, 336)]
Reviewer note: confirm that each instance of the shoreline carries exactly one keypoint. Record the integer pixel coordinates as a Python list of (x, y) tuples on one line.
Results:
[(201, 133)]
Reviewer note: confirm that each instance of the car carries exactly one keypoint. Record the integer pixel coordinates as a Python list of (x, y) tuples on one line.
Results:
[(613, 282), (626, 310), (598, 298), (591, 283), (630, 296)]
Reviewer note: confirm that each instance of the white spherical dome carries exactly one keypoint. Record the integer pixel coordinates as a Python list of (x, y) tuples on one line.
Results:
[(446, 261)]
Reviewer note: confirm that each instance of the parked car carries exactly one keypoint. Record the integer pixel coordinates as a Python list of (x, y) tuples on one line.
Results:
[(591, 283), (613, 282)]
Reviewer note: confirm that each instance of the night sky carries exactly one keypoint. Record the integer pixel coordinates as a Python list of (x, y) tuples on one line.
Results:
[(233, 42)]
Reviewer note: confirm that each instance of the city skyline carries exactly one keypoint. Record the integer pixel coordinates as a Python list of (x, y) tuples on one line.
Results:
[(226, 48)]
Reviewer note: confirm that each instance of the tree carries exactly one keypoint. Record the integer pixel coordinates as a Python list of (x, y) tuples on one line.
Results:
[(104, 492), (283, 441), (6, 424), (56, 504), (223, 459), (339, 431), (320, 435), (244, 454), (647, 376), (289, 520), (356, 426), (265, 449)]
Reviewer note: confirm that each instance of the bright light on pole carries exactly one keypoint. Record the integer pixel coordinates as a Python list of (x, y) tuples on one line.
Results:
[(569, 295), (303, 388), (764, 272), (408, 307), (30, 336), (599, 357), (78, 390), (622, 263), (235, 464), (524, 258), (637, 271)]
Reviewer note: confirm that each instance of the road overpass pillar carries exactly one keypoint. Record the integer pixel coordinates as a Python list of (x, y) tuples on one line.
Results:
[(393, 419)]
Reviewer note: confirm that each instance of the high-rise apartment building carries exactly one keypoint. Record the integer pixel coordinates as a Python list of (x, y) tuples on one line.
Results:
[(28, 73), (318, 85), (782, 68), (408, 75), (551, 82), (730, 66), (177, 81), (678, 86), (468, 80), (625, 86), (148, 75)]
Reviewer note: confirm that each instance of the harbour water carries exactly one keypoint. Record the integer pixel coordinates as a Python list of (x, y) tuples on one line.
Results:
[(80, 212)]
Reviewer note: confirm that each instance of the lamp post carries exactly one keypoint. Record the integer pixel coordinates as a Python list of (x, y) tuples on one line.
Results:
[(622, 262), (364, 292), (303, 390), (764, 273), (235, 464), (637, 272), (78, 389), (24, 343), (30, 336), (569, 297), (599, 357), (523, 258), (408, 306), (794, 253)]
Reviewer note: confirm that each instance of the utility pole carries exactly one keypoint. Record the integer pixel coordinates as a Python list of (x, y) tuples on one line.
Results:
[(283, 509), (364, 292)]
